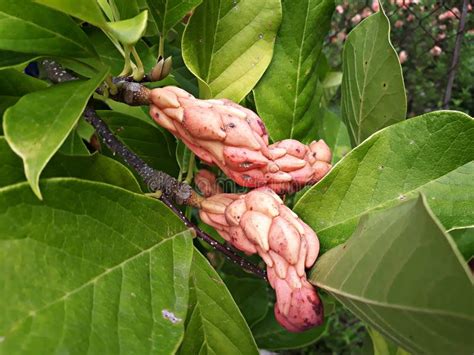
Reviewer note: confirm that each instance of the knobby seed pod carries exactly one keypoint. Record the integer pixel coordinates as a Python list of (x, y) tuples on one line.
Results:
[(234, 138), (259, 222)]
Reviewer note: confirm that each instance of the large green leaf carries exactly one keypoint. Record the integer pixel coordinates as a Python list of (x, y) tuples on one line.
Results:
[(95, 167), (401, 273), (37, 125), (373, 93), (286, 96), (229, 44), (9, 59), (215, 324), (13, 85), (168, 13), (432, 153), (27, 27), (270, 335), (91, 269), (86, 10), (151, 143)]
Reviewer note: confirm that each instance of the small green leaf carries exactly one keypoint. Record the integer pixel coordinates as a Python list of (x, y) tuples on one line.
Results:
[(27, 27), (214, 324), (95, 167), (373, 93), (333, 131), (151, 143), (464, 238), (180, 72), (86, 10), (402, 274), (229, 44), (96, 260), (270, 335), (168, 13), (73, 145), (183, 155), (286, 95), (9, 59), (382, 346), (131, 30), (37, 125), (432, 153)]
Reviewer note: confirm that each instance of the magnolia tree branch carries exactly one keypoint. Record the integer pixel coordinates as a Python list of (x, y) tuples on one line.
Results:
[(157, 181)]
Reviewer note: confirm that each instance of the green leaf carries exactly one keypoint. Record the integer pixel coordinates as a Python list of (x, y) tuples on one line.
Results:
[(229, 44), (86, 10), (214, 324), (127, 8), (131, 30), (402, 274), (426, 153), (373, 93), (334, 132), (27, 27), (95, 262), (464, 239), (186, 80), (14, 84), (95, 167), (330, 84), (40, 122), (270, 335), (73, 145), (140, 112), (168, 13), (151, 143), (251, 296), (382, 346), (286, 95), (9, 59), (183, 155)]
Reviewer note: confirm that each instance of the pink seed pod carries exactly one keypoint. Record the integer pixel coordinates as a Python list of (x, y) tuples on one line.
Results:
[(234, 138), (259, 222)]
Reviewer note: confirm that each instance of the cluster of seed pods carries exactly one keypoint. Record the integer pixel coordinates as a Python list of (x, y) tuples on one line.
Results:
[(223, 133), (259, 222), (234, 138)]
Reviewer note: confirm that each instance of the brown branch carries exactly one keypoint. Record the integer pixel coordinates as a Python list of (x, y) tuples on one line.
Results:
[(172, 190)]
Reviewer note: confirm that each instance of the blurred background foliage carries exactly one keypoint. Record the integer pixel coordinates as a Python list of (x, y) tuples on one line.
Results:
[(423, 33)]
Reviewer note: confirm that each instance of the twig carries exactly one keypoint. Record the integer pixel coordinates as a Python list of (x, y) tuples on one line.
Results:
[(456, 54), (179, 192), (228, 252), (172, 190)]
